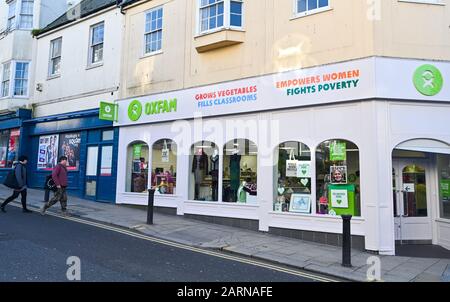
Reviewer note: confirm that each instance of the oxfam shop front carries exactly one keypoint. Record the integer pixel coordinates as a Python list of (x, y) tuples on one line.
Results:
[(289, 153)]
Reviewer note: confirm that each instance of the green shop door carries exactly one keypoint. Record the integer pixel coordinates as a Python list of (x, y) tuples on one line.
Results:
[(99, 173)]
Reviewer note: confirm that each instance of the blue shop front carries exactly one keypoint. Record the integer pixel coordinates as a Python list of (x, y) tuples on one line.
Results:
[(90, 144), (12, 140)]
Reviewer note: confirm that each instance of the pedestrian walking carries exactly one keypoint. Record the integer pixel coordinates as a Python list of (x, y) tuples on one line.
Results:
[(20, 173), (59, 176)]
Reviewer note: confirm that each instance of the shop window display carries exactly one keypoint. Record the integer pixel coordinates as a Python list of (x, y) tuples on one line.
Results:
[(338, 178), (204, 179), (443, 163), (9, 147), (137, 167), (293, 172), (164, 167), (240, 171)]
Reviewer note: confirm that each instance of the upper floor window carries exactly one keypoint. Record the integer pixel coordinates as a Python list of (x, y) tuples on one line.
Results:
[(55, 57), (216, 14), (21, 79), (153, 30), (11, 16), (26, 14), (6, 78), (96, 44), (306, 6)]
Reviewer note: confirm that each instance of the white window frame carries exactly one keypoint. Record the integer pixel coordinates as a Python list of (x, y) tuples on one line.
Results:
[(27, 87), (158, 51), (226, 18), (51, 74), (28, 15), (3, 80), (11, 23), (92, 45), (298, 14)]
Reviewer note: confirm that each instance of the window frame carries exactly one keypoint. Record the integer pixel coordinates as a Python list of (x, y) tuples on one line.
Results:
[(11, 23), (21, 14), (3, 80), (27, 80), (52, 58), (92, 45), (226, 17), (298, 14), (148, 33)]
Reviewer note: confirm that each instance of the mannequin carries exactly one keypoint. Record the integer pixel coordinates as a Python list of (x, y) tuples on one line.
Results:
[(215, 175), (235, 174), (199, 168)]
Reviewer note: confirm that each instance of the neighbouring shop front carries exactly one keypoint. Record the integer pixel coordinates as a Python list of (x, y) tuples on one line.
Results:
[(289, 153), (90, 144), (12, 142)]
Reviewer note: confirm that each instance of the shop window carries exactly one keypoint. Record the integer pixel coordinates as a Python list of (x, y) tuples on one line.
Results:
[(338, 178), (137, 167), (293, 186), (204, 179), (9, 147), (240, 171), (443, 163), (164, 167)]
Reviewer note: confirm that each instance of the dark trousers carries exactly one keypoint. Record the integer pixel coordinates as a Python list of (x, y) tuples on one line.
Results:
[(14, 196)]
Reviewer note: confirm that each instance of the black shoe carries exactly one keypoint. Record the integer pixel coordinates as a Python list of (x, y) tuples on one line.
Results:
[(27, 211), (3, 209)]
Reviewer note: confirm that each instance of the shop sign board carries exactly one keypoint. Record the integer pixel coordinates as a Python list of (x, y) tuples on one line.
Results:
[(362, 79)]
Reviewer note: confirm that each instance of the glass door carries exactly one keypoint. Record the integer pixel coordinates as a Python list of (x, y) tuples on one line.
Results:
[(99, 173), (411, 200)]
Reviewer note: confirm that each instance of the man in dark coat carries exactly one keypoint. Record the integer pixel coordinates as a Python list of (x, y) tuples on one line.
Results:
[(20, 172)]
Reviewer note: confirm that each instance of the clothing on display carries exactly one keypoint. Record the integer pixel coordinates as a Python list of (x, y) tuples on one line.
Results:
[(200, 167), (215, 176), (235, 175)]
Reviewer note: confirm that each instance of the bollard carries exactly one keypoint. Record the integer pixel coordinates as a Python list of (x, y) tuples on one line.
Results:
[(151, 203), (346, 241)]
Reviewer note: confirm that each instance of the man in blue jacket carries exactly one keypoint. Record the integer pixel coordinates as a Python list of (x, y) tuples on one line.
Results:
[(20, 171)]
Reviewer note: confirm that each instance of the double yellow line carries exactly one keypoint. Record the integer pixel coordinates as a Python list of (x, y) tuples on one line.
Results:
[(198, 250)]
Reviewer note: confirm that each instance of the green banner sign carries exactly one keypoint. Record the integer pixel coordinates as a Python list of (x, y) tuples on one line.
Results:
[(137, 151), (109, 112), (445, 189), (338, 151)]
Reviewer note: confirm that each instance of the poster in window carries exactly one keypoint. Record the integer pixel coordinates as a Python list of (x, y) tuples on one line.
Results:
[(48, 152), (165, 153), (338, 175), (339, 199), (13, 147), (69, 146), (4, 136), (300, 203)]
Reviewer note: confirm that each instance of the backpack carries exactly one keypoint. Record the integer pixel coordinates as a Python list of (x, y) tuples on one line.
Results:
[(50, 184)]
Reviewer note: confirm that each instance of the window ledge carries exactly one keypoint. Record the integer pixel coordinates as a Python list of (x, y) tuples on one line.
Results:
[(218, 39), (151, 54), (96, 65), (52, 77), (312, 12)]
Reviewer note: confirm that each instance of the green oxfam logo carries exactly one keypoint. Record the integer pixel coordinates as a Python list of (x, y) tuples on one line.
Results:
[(428, 80), (135, 110)]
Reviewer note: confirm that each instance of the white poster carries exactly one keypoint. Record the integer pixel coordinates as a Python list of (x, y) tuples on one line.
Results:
[(304, 169), (48, 152), (165, 153), (339, 199)]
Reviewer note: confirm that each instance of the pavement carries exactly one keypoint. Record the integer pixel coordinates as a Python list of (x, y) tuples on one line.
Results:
[(314, 257)]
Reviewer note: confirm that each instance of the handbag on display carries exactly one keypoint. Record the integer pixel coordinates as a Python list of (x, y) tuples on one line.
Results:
[(291, 165)]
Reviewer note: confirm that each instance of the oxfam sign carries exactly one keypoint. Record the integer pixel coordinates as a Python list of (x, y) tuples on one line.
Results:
[(136, 109), (428, 80)]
